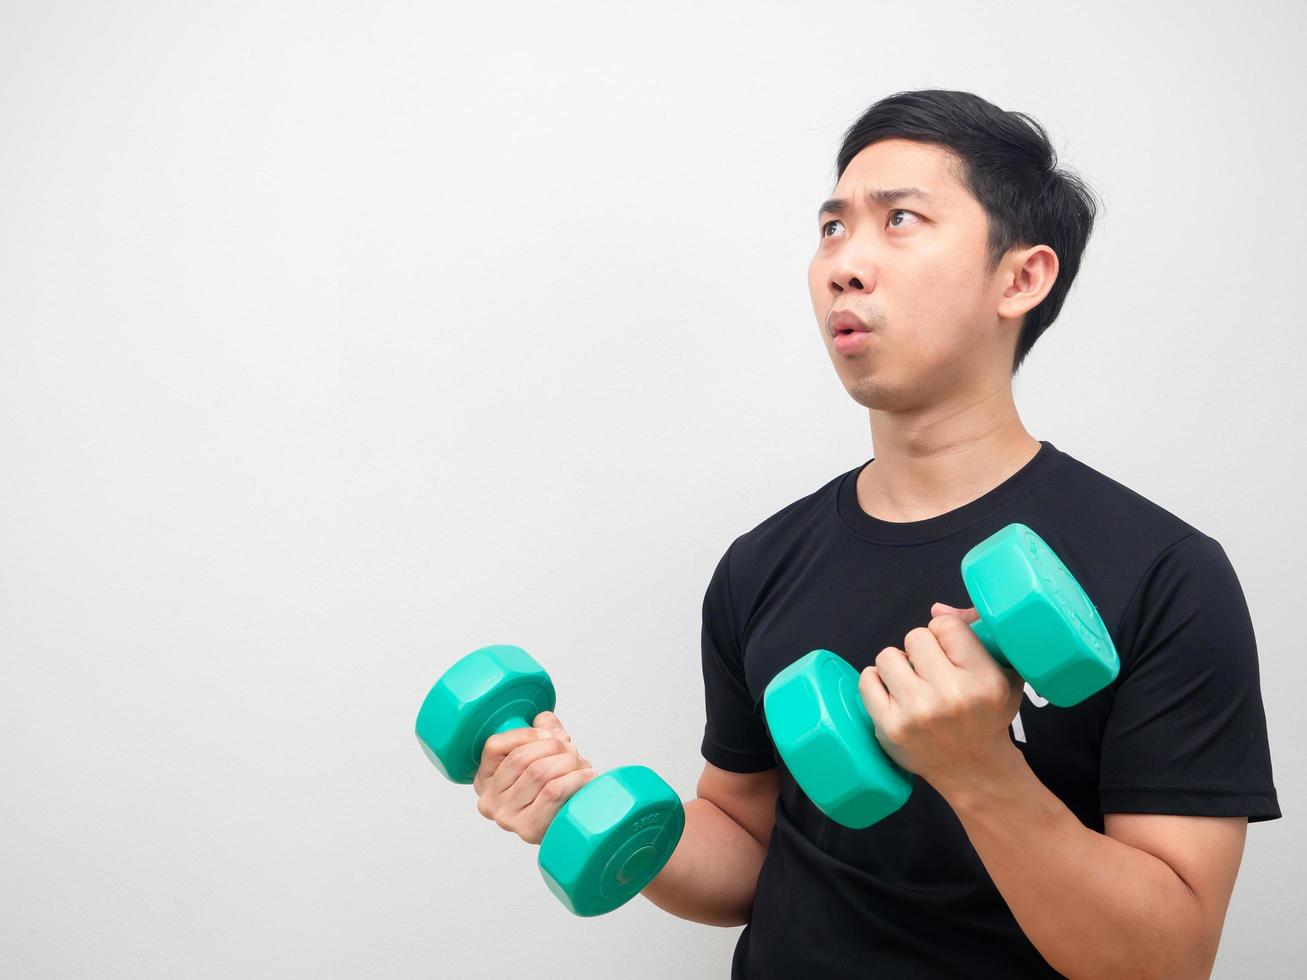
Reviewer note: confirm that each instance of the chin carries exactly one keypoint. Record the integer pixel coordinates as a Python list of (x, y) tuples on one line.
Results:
[(877, 393)]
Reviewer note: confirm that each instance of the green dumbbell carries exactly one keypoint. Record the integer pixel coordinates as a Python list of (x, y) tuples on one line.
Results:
[(611, 838), (1034, 618)]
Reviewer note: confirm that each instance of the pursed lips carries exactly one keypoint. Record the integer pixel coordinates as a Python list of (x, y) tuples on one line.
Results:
[(845, 322)]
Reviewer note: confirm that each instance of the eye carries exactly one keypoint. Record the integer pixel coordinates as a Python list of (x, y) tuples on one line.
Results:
[(836, 221)]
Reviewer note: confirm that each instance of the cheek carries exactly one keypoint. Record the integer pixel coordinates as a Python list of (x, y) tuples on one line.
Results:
[(943, 311)]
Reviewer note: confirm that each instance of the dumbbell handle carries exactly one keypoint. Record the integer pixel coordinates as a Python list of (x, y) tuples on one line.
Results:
[(511, 723)]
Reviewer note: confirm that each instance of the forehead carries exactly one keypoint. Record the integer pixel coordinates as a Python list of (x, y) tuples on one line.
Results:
[(903, 163)]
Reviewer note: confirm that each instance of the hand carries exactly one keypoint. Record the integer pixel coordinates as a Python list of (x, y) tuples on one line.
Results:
[(941, 705), (527, 774)]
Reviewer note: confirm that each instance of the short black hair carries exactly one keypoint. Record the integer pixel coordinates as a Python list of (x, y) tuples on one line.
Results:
[(1009, 166)]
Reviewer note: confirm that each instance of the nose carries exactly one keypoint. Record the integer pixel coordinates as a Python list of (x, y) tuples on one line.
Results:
[(850, 273), (851, 267)]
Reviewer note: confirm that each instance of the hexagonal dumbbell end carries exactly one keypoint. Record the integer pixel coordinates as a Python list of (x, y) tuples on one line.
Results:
[(493, 689), (612, 836), (1035, 617), (827, 739), (610, 839)]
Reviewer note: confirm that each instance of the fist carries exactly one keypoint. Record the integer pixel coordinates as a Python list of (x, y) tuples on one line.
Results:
[(527, 774)]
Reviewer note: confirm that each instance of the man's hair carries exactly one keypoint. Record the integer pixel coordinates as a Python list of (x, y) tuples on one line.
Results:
[(1009, 166)]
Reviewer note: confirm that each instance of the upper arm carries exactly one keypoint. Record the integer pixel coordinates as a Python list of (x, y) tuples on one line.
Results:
[(1185, 731), (1204, 852), (735, 736), (748, 798)]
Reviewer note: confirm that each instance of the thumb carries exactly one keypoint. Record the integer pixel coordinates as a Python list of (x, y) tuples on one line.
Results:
[(548, 721), (944, 609)]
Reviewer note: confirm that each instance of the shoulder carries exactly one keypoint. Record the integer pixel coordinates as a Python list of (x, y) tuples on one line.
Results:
[(1173, 593), (1117, 507), (1120, 538)]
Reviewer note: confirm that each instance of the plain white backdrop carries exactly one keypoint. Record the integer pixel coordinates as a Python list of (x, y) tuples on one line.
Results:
[(340, 339)]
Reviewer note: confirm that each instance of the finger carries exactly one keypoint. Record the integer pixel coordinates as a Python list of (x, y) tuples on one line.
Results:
[(550, 723), (897, 674), (553, 728), (497, 747), (523, 792), (928, 659), (959, 642), (540, 814), (516, 761), (875, 697)]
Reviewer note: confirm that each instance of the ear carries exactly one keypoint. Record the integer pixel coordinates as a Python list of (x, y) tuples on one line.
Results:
[(1029, 276)]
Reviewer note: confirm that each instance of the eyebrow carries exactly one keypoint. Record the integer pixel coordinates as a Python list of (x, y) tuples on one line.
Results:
[(884, 196)]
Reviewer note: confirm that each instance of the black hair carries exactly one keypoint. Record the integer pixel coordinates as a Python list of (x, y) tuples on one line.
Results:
[(1009, 166)]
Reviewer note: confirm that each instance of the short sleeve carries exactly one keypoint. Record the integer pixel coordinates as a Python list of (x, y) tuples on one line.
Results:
[(1186, 733), (735, 737)]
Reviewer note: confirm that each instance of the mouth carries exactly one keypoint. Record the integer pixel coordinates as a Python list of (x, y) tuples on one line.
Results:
[(851, 341), (843, 323)]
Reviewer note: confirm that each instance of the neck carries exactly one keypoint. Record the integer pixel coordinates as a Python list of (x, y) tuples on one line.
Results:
[(933, 460)]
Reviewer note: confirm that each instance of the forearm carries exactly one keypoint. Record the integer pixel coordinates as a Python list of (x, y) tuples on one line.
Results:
[(713, 872), (1093, 906)]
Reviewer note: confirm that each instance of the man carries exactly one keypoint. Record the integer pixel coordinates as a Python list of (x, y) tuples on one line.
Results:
[(1100, 840)]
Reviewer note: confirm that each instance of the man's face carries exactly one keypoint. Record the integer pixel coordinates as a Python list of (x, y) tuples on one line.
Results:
[(913, 270)]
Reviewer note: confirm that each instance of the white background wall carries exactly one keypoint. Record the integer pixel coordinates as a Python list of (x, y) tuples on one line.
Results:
[(339, 339)]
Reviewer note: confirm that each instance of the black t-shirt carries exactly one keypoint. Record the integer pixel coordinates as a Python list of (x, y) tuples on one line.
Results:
[(1181, 729)]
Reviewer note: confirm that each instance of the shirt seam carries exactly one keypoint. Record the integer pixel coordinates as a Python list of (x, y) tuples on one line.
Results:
[(767, 752), (1129, 604), (1216, 790), (1035, 482), (730, 608), (737, 639)]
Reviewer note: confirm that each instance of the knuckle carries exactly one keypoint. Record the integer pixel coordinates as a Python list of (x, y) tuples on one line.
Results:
[(519, 755), (544, 770), (917, 633), (952, 703), (538, 769)]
